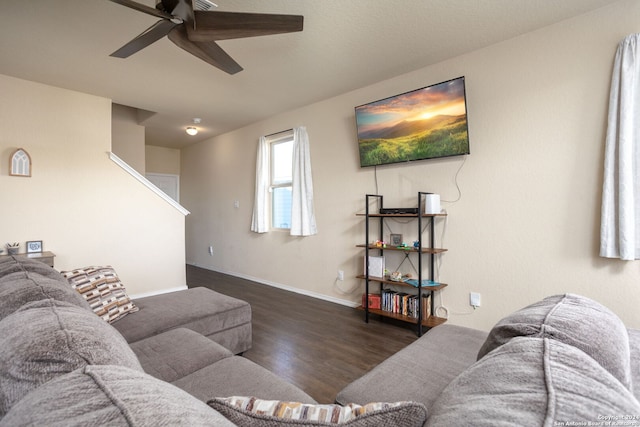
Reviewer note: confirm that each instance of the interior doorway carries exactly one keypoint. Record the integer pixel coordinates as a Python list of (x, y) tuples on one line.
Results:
[(168, 183)]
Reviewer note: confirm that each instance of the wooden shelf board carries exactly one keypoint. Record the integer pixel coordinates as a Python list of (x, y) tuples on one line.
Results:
[(411, 250), (430, 322), (385, 280), (424, 215)]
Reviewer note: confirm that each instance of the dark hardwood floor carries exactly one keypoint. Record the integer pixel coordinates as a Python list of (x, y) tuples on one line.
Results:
[(317, 345)]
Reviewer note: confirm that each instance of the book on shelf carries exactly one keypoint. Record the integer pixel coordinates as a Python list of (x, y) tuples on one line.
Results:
[(425, 282), (405, 304), (374, 301), (426, 306)]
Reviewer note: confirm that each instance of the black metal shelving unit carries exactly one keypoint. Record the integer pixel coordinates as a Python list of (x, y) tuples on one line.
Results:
[(429, 250)]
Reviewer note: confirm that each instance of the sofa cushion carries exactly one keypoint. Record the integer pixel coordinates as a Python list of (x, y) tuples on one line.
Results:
[(532, 381), (237, 376), (103, 290), (219, 317), (15, 264), (176, 353), (634, 352), (22, 287), (433, 361), (110, 396), (46, 339), (252, 412), (574, 320), (24, 280)]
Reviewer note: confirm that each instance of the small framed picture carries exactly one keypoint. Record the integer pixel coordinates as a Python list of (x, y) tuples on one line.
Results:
[(34, 246), (395, 239)]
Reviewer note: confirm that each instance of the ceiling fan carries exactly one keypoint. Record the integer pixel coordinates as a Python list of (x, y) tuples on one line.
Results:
[(191, 26)]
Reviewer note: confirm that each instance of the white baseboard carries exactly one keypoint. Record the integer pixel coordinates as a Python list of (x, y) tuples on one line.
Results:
[(284, 287), (164, 291)]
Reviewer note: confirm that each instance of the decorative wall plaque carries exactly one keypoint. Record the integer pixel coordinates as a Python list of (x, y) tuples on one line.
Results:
[(20, 163)]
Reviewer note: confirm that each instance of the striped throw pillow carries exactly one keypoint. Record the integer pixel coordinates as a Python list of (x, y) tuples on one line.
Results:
[(103, 290), (252, 412)]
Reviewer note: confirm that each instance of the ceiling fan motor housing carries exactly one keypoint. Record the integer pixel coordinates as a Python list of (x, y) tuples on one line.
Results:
[(204, 5), (169, 5)]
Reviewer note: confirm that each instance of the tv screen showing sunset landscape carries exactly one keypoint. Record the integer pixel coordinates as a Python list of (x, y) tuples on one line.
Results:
[(422, 124)]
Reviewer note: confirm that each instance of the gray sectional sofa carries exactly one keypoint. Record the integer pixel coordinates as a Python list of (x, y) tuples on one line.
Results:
[(62, 365), (565, 360)]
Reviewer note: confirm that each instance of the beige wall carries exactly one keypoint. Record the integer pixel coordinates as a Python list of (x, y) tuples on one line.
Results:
[(83, 206), (527, 223), (127, 136), (162, 160)]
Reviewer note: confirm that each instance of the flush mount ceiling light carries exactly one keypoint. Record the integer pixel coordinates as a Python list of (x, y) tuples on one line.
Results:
[(192, 130)]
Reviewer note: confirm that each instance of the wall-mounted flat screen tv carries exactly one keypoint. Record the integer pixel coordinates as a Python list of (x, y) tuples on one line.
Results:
[(422, 124)]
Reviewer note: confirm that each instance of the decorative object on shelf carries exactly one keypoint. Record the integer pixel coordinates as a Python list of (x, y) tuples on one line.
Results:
[(395, 239), (13, 248), (376, 266), (34, 246), (416, 244), (432, 203), (20, 163), (396, 276), (380, 244)]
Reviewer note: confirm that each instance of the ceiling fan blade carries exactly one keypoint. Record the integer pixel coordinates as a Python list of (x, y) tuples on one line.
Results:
[(149, 36), (209, 52), (233, 25), (143, 8)]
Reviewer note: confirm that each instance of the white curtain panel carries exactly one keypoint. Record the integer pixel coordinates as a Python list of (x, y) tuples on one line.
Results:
[(260, 218), (303, 219), (620, 226)]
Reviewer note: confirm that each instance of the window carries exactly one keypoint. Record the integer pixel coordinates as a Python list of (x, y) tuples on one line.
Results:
[(284, 188), (280, 182)]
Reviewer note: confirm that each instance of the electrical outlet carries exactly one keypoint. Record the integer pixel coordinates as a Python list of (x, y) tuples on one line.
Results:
[(340, 275), (211, 250), (474, 299), (236, 204)]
